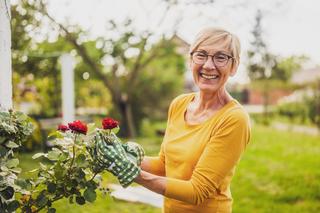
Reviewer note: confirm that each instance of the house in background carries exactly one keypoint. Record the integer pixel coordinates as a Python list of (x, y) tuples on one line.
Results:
[(306, 76)]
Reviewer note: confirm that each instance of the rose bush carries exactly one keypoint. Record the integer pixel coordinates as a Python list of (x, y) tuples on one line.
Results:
[(15, 127), (67, 172)]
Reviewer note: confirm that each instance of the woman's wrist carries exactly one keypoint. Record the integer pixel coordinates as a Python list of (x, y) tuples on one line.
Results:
[(152, 182)]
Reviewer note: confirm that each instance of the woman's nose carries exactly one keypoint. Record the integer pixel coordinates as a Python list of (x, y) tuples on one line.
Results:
[(209, 64)]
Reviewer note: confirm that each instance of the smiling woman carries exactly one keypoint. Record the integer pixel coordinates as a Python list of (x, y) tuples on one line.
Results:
[(206, 134)]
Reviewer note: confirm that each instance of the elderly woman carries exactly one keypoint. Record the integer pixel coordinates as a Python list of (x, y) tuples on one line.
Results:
[(205, 136)]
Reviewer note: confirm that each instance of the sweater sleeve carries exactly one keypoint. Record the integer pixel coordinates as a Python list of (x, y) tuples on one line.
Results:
[(218, 159)]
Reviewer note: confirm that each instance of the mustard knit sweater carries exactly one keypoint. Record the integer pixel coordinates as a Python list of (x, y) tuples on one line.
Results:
[(199, 160)]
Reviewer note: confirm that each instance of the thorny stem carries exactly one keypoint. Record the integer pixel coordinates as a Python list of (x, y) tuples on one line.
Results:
[(73, 152)]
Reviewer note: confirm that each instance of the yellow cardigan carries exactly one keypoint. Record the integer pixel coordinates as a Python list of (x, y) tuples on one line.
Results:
[(199, 160)]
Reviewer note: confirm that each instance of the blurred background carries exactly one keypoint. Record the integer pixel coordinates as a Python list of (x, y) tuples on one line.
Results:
[(131, 59)]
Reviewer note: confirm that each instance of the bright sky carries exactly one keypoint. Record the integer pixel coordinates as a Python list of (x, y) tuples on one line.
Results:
[(290, 26)]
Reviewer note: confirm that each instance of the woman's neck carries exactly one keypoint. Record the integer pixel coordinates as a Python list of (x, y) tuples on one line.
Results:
[(211, 101)]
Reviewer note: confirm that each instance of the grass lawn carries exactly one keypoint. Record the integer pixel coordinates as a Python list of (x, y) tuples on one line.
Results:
[(279, 172)]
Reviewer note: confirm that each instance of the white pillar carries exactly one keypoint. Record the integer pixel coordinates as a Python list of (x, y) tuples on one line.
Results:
[(5, 56), (68, 106)]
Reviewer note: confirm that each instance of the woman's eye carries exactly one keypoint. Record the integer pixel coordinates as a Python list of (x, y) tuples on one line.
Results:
[(221, 57), (200, 55)]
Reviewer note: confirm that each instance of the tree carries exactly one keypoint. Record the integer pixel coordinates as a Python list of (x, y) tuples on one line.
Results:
[(121, 62), (285, 67), (261, 62)]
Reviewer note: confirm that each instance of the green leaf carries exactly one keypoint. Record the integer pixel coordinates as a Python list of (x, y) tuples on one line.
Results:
[(12, 163), (59, 171), (41, 199), (71, 199), (81, 175), (33, 170), (91, 184), (51, 210), (54, 155), (38, 155), (23, 184), (7, 193), (81, 160), (11, 145), (13, 205), (42, 166), (63, 157), (3, 151), (90, 195), (16, 170), (80, 200), (2, 139), (56, 134), (4, 168), (115, 130), (51, 187), (91, 128)]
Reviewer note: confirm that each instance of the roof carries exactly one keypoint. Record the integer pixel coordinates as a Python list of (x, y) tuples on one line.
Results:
[(306, 76), (182, 45)]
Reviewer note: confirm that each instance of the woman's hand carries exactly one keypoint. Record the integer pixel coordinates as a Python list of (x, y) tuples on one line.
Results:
[(134, 151), (111, 155)]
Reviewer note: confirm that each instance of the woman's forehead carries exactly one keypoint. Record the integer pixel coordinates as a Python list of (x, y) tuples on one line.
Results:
[(214, 47)]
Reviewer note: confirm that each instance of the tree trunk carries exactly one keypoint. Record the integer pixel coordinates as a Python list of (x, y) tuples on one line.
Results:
[(127, 118), (266, 103)]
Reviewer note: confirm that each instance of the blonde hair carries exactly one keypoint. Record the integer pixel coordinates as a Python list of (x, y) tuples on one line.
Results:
[(213, 35)]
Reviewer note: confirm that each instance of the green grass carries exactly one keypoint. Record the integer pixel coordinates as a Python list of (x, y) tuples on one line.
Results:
[(279, 172)]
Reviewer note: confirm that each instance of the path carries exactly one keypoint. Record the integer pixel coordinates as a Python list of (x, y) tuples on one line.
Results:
[(136, 194), (295, 128)]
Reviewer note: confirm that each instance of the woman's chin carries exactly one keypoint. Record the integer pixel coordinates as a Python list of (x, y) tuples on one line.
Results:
[(207, 87)]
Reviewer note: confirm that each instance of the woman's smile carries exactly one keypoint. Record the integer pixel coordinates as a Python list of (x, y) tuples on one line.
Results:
[(208, 76)]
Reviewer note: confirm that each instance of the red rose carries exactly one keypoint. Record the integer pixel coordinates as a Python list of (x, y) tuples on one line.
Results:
[(109, 123), (78, 126), (63, 128)]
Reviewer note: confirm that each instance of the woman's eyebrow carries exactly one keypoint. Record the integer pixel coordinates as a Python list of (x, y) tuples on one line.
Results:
[(218, 51)]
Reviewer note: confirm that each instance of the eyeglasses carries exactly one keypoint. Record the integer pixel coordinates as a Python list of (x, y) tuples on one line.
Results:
[(219, 59)]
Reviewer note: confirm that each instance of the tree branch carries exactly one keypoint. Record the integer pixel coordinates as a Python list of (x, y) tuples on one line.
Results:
[(80, 49)]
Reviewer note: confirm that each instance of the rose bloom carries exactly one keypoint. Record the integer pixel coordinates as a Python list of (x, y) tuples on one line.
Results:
[(63, 128), (109, 123), (78, 126)]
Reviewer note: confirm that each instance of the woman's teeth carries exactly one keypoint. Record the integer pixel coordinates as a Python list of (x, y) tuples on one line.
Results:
[(206, 76)]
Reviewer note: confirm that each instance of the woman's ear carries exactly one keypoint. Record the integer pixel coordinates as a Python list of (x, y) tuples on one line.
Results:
[(234, 68)]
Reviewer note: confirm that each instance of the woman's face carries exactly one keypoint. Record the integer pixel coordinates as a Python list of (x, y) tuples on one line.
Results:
[(208, 77)]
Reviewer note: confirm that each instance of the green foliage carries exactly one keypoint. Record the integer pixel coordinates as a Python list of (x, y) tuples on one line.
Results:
[(69, 172), (313, 104), (285, 67), (35, 141), (15, 127), (122, 60), (159, 83), (294, 111)]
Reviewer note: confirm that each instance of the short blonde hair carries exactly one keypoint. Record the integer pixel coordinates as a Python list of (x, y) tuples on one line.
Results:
[(213, 35)]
